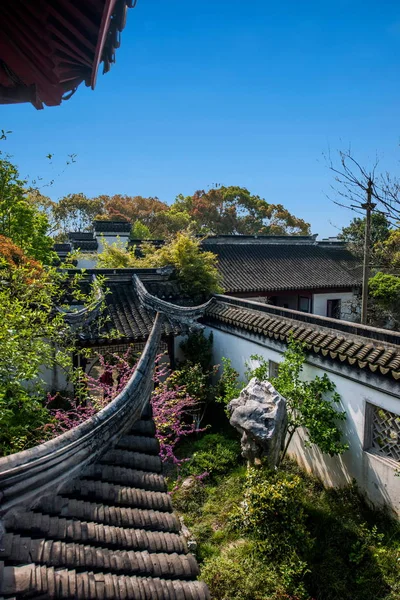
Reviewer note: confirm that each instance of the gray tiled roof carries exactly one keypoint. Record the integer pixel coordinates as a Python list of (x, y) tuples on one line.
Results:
[(264, 267), (110, 533), (358, 346), (112, 226), (88, 245), (62, 247), (125, 318), (81, 235)]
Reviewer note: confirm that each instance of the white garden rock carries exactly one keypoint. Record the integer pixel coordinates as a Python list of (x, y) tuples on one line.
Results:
[(259, 414)]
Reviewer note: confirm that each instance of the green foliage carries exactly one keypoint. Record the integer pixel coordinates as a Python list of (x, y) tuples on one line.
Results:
[(388, 250), (354, 235), (271, 511), (328, 544), (197, 349), (33, 336), (189, 496), (195, 372), (228, 386), (310, 404), (116, 256), (140, 231), (234, 210), (193, 379), (213, 454), (240, 573), (261, 371), (20, 220), (196, 269), (220, 210), (385, 289), (75, 212)]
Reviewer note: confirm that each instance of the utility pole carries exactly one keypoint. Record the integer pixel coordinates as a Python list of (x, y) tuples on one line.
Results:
[(369, 207)]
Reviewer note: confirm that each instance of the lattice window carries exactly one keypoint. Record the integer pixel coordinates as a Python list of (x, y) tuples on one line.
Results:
[(384, 432), (273, 368)]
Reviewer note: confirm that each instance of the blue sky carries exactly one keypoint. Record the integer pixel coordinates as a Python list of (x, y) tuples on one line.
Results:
[(227, 91)]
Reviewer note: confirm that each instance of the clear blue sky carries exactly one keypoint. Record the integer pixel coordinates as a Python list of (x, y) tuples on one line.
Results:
[(246, 93)]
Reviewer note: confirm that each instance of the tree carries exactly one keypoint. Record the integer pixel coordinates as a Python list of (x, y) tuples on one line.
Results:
[(234, 210), (132, 208), (364, 191), (159, 219), (76, 212), (46, 206), (195, 269), (354, 235), (33, 335), (385, 291), (117, 256), (172, 221), (388, 251), (140, 231), (20, 220), (310, 404)]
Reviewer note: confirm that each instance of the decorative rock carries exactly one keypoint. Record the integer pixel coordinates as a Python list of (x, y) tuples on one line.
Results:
[(259, 414)]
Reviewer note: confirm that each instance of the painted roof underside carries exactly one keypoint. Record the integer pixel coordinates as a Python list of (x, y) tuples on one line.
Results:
[(48, 48)]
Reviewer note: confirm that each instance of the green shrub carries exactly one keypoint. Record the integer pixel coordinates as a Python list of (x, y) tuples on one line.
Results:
[(240, 572), (228, 386), (272, 512), (189, 496), (197, 348), (213, 454), (193, 379)]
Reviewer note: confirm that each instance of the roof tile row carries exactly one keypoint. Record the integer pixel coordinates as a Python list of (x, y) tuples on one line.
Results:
[(362, 353), (267, 267)]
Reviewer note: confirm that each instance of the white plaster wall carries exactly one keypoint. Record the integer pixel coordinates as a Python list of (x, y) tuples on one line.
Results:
[(55, 379), (374, 475), (348, 299), (86, 263)]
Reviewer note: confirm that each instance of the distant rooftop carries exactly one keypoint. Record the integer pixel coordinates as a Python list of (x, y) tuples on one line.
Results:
[(260, 239), (81, 235), (286, 263), (62, 247), (112, 226)]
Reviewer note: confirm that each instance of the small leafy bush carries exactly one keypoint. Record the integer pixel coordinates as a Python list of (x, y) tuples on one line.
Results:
[(272, 511), (261, 371), (240, 573), (213, 454), (189, 496), (197, 349), (229, 386)]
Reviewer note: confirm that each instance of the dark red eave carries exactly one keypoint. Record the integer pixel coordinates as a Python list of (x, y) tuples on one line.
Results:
[(49, 47)]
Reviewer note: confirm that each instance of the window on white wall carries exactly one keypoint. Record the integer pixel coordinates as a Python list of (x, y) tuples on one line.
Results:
[(273, 368), (382, 432)]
